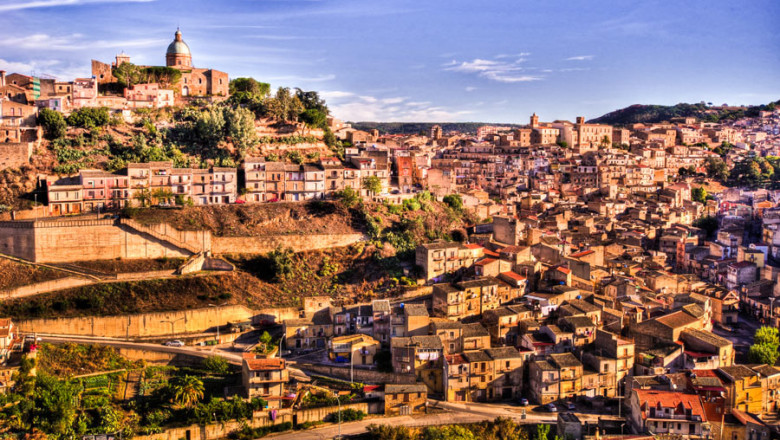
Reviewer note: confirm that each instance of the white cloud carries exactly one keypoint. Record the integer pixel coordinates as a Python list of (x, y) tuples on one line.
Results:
[(370, 108), (509, 55), (470, 88), (336, 94), (495, 70), (580, 58), (304, 79), (44, 67), (75, 42), (396, 100), (55, 3)]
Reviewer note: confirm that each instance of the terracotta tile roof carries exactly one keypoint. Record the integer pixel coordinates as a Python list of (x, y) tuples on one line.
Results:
[(670, 399), (582, 254), (485, 262), (513, 276), (677, 319), (263, 364)]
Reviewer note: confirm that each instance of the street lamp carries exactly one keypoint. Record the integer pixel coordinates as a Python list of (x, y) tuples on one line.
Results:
[(338, 401), (219, 316), (172, 322)]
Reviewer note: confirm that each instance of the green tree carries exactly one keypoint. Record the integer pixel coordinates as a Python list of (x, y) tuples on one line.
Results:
[(216, 364), (281, 261), (452, 432), (348, 197), (709, 224), (284, 106), (143, 196), (240, 127), (311, 100), (699, 195), (89, 117), (762, 354), (251, 86), (127, 74), (454, 201), (542, 431), (162, 195), (53, 123), (54, 409), (372, 184), (314, 118), (717, 169), (768, 336), (163, 75), (209, 127), (185, 391), (264, 342), (390, 432)]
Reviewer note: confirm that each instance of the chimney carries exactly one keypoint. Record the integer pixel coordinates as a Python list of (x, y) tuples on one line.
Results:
[(580, 119), (2, 78)]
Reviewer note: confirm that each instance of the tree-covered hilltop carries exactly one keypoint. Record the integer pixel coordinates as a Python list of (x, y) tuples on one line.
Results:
[(649, 114), (424, 127)]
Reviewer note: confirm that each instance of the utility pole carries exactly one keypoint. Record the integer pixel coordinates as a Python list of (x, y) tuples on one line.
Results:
[(219, 316)]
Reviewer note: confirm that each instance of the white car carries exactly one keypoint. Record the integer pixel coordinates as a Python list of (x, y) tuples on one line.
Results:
[(175, 343)]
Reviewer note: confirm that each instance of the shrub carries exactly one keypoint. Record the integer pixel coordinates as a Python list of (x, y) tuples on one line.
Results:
[(215, 364), (89, 117), (53, 123)]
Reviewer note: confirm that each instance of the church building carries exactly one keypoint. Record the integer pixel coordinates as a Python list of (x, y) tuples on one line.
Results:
[(194, 81)]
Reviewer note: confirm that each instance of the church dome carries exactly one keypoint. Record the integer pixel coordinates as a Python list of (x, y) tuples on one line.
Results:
[(178, 46)]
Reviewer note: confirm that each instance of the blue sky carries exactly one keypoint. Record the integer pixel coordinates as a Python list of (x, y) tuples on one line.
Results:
[(429, 60)]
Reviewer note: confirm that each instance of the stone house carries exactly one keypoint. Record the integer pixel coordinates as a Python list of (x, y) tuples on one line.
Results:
[(357, 349), (405, 399), (265, 378), (668, 412)]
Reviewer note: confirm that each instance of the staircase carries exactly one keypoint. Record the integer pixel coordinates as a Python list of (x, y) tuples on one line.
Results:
[(130, 223)]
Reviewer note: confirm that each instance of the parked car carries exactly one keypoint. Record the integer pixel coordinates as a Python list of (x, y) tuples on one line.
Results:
[(550, 407), (523, 402), (174, 343), (571, 406)]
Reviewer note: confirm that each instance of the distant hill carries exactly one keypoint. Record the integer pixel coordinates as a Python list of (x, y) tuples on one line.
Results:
[(650, 114), (423, 127)]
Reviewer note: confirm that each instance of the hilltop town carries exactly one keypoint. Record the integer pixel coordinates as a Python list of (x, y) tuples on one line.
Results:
[(183, 250)]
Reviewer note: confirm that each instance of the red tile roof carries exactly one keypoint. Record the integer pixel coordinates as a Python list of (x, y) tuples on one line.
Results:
[(472, 246), (263, 364), (582, 254), (670, 399), (485, 262), (513, 276)]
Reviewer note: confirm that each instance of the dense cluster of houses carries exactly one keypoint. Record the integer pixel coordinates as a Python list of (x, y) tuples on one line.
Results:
[(562, 303)]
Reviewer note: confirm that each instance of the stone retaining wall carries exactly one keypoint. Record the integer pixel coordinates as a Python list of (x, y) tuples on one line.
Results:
[(141, 325), (298, 243), (361, 375)]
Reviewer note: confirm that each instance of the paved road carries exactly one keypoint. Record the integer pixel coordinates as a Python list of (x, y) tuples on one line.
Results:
[(454, 413)]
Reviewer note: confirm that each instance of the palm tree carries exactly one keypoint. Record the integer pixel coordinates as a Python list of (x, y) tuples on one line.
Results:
[(185, 391)]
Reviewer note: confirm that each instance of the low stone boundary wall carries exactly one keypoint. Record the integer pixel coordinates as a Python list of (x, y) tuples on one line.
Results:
[(298, 243), (216, 431), (73, 282), (320, 414), (360, 375), (147, 324), (43, 287)]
